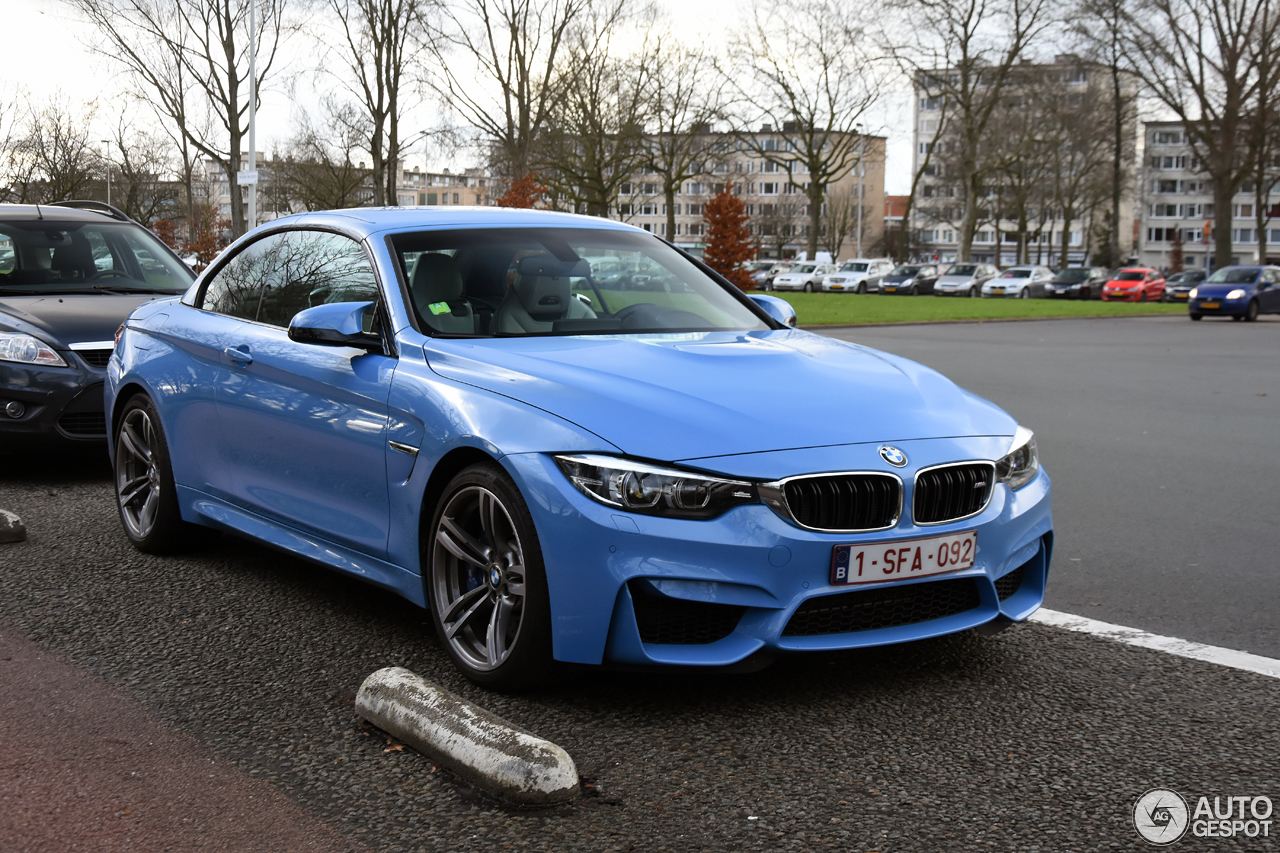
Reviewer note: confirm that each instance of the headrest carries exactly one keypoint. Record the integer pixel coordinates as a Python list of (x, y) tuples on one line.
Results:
[(543, 295), (436, 279)]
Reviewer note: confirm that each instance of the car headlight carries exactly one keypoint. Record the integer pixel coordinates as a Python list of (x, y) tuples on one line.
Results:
[(1236, 294), (25, 349), (1195, 291), (1021, 464), (640, 487)]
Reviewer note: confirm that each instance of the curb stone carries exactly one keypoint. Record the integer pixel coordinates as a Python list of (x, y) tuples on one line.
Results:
[(497, 757), (11, 527)]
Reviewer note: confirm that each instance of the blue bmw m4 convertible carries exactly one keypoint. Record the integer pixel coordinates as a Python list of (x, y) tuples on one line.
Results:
[(652, 470)]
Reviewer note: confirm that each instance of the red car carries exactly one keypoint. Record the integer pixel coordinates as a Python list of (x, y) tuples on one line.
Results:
[(1134, 284)]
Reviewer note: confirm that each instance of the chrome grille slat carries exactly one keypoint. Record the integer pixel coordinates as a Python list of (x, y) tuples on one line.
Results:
[(952, 492)]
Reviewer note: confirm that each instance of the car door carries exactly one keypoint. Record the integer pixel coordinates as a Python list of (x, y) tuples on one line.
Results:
[(304, 425), (1269, 291)]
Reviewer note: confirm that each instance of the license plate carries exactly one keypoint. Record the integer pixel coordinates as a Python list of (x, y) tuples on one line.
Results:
[(837, 287), (998, 291), (913, 558), (1210, 305)]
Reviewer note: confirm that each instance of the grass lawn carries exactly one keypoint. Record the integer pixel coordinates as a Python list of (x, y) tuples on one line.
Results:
[(837, 308)]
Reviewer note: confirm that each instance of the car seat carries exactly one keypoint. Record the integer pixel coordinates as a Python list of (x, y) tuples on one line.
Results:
[(74, 260), (438, 295), (539, 297)]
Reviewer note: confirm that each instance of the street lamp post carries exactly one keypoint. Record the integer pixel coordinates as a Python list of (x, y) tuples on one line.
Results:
[(106, 145)]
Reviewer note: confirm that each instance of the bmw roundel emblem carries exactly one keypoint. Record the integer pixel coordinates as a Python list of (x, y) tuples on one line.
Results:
[(893, 456)]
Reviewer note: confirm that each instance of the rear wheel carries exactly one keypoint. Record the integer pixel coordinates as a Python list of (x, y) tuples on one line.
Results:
[(1251, 313), (145, 493), (487, 583)]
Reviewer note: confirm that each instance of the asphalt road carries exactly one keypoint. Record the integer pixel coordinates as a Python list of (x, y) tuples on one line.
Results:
[(1033, 740), (1162, 438)]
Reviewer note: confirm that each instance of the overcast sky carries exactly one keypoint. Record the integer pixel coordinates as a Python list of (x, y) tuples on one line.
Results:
[(46, 52)]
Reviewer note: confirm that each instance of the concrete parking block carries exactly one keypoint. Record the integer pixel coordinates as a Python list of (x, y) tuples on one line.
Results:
[(497, 757), (11, 527)]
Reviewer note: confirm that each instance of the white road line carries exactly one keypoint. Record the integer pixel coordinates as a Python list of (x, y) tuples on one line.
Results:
[(1170, 645)]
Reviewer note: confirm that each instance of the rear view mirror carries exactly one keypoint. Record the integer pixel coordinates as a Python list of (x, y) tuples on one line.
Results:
[(551, 267)]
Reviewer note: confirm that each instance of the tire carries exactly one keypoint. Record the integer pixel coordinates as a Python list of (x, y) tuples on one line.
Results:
[(973, 292), (862, 288), (1024, 293), (1195, 316), (486, 583), (1251, 312), (912, 291), (146, 497), (1142, 296), (808, 287)]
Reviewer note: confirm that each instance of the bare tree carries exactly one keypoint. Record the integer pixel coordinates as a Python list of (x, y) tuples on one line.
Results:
[(191, 58), (141, 164), (320, 168), (1264, 126), (378, 36), (839, 219), (594, 136), (805, 72), (1099, 26), (684, 97), (51, 154), (1197, 58), (963, 51), (514, 49)]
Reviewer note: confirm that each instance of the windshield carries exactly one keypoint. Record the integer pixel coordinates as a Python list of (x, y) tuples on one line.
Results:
[(496, 282), (805, 268), (962, 269), (1185, 278), (1233, 276), (854, 266), (1130, 275), (48, 256), (1017, 274), (905, 270), (1072, 275)]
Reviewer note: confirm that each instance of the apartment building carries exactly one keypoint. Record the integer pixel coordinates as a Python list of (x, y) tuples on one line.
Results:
[(1177, 202), (1069, 83), (776, 202)]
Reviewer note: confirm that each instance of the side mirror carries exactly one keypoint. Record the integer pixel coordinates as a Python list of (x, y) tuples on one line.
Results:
[(778, 309), (337, 324)]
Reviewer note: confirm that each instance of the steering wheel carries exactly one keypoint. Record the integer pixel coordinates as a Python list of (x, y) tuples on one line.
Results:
[(106, 273)]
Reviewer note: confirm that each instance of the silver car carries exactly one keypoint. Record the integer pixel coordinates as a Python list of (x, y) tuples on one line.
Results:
[(1019, 283), (964, 279), (804, 276), (860, 275)]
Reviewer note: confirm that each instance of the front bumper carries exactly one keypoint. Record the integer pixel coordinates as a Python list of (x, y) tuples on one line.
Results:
[(635, 589), (1054, 291), (1002, 293), (57, 402), (1114, 296), (1218, 307)]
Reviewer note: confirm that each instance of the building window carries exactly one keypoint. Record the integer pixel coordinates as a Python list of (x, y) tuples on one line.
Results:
[(1166, 163), (1164, 211), (1167, 137), (1164, 186), (695, 189), (769, 189), (625, 189), (1242, 211), (1242, 235), (649, 209), (929, 103), (626, 209)]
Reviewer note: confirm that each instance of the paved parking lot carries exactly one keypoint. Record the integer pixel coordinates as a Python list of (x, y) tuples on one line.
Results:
[(1035, 739)]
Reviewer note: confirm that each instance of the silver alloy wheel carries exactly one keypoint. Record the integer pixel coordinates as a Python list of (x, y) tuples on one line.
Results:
[(478, 578), (137, 473)]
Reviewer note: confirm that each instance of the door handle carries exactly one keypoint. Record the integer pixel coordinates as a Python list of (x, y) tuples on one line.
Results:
[(240, 355)]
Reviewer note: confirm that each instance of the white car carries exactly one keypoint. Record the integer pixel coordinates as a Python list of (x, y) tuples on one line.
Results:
[(860, 275), (805, 276), (1019, 283)]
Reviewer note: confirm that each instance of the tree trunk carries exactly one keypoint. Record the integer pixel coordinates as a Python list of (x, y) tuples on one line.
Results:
[(1222, 195), (1117, 165), (669, 193), (814, 194)]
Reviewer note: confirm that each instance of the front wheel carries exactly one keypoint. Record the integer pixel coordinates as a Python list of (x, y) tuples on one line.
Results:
[(1195, 316), (973, 293), (808, 287), (1142, 297), (145, 493), (1024, 293), (487, 583), (1251, 313), (862, 288)]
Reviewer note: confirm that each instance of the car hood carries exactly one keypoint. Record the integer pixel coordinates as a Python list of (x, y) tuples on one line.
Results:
[(955, 279), (1220, 290), (894, 279), (689, 396), (72, 318), (1006, 282)]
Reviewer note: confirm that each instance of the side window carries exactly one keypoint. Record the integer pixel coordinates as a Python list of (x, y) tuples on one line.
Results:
[(236, 290), (314, 268)]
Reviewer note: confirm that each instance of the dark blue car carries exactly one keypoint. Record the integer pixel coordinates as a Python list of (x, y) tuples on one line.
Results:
[(68, 279), (1238, 292)]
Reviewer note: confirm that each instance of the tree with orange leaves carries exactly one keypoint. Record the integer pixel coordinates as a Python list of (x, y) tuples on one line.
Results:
[(729, 243), (523, 192)]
